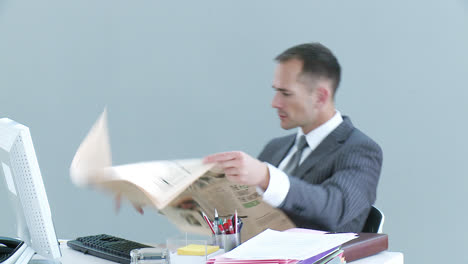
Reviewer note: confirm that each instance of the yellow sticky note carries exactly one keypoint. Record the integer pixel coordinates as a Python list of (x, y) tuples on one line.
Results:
[(197, 250)]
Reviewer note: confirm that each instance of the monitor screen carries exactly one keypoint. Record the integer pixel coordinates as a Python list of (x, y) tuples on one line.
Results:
[(26, 192)]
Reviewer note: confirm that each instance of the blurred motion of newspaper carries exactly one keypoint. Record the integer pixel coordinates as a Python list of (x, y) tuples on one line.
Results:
[(180, 189)]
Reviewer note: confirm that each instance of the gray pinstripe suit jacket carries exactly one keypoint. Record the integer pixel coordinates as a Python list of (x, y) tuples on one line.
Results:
[(335, 186)]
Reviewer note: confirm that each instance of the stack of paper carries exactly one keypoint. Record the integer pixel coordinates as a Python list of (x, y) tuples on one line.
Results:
[(272, 246)]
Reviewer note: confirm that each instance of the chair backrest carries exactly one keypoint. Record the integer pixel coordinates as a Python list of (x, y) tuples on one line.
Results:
[(374, 222)]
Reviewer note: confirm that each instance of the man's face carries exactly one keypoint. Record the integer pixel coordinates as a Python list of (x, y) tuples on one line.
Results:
[(295, 98)]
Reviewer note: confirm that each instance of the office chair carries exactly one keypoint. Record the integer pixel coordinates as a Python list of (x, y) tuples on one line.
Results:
[(374, 222)]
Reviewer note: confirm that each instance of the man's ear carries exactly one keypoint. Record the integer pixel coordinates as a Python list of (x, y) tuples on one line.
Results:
[(322, 95)]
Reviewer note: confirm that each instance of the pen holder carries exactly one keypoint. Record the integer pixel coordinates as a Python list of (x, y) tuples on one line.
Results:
[(231, 241), (217, 240), (227, 241)]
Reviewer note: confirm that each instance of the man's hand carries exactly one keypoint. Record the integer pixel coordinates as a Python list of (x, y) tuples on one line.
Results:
[(118, 202), (241, 168)]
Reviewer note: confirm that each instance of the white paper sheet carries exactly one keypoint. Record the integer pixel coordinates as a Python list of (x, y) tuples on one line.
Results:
[(271, 244)]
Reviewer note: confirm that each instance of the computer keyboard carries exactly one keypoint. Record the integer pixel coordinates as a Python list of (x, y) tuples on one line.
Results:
[(106, 246)]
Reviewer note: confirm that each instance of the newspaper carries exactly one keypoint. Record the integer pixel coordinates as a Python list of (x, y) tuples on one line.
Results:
[(180, 189)]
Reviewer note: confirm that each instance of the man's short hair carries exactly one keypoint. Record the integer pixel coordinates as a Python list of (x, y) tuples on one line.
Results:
[(318, 61)]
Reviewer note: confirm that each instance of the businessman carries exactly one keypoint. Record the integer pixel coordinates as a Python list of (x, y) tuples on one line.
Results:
[(325, 175)]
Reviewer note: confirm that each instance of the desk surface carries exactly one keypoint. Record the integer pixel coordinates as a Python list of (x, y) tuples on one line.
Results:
[(70, 256)]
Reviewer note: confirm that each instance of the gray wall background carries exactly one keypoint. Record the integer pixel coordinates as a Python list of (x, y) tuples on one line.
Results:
[(186, 79)]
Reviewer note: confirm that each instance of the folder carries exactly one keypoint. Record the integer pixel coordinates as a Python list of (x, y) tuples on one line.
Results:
[(367, 244)]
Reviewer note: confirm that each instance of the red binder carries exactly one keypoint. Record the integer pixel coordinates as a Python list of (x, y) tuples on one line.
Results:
[(367, 244)]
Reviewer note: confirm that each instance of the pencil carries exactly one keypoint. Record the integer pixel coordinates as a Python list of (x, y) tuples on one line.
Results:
[(208, 222)]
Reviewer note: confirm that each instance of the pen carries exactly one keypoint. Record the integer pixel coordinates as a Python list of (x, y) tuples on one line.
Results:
[(221, 229), (240, 224), (230, 228), (208, 222), (236, 228), (227, 227), (216, 221)]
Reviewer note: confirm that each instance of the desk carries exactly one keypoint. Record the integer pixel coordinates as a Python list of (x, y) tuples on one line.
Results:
[(384, 257), (70, 256)]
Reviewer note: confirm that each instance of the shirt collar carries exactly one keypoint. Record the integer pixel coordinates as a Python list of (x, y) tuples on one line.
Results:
[(316, 136)]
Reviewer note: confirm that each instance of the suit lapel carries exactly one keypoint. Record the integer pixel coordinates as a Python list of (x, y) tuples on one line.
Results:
[(281, 153), (336, 138)]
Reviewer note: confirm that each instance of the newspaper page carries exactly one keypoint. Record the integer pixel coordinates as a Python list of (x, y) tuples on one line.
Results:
[(213, 190), (180, 189), (153, 183), (157, 182)]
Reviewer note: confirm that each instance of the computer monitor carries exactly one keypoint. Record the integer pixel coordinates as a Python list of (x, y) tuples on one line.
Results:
[(26, 192)]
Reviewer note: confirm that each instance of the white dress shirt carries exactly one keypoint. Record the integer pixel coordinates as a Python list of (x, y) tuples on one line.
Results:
[(279, 184)]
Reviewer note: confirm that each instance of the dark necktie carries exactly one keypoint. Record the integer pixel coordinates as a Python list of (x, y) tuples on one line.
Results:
[(296, 158)]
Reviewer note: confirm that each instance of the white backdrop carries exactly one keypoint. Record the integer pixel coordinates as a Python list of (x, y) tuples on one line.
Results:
[(183, 80)]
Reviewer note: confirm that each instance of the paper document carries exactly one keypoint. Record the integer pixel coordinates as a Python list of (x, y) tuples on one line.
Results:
[(271, 244), (180, 189)]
